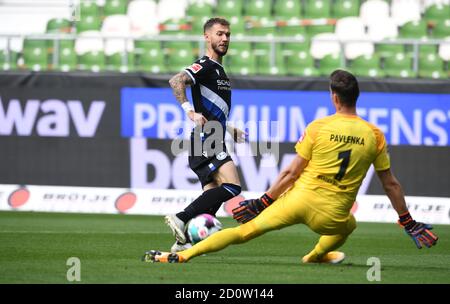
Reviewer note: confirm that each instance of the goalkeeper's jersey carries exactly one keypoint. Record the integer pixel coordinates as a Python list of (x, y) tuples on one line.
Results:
[(340, 149)]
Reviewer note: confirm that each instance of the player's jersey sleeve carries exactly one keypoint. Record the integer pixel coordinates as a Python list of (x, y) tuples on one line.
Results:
[(306, 141), (198, 70), (382, 161)]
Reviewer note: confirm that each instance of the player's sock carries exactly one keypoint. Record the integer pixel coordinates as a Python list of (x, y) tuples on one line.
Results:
[(326, 244), (210, 200)]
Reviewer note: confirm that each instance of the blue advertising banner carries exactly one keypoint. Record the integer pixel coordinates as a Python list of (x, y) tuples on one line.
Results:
[(405, 118)]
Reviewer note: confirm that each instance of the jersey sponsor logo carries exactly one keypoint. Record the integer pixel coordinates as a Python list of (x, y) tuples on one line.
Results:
[(195, 68)]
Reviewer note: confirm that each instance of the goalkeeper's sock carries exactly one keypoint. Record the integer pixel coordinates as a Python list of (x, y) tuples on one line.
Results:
[(209, 201)]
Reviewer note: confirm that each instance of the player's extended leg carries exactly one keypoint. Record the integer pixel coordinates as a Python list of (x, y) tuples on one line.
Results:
[(324, 249), (276, 216)]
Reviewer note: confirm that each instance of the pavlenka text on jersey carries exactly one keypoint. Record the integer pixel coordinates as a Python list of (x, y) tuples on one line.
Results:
[(348, 139)]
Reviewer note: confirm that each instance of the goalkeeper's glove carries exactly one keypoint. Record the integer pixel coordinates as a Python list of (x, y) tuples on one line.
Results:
[(249, 209), (419, 232)]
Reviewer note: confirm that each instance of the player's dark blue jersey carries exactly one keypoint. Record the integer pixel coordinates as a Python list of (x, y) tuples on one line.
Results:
[(211, 91)]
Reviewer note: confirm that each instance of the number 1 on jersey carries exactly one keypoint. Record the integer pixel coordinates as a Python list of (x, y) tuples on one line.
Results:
[(345, 156)]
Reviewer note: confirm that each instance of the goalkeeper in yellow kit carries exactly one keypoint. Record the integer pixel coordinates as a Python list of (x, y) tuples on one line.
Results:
[(319, 187)]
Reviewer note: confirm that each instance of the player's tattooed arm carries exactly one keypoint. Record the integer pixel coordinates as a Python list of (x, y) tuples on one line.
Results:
[(178, 83)]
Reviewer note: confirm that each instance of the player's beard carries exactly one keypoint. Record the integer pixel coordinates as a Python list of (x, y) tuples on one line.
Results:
[(218, 51)]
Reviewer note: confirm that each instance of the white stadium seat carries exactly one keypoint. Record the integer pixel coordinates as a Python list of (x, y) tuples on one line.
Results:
[(352, 28), (143, 17), (444, 49), (386, 28), (325, 44), (89, 41), (119, 26), (403, 11), (372, 11)]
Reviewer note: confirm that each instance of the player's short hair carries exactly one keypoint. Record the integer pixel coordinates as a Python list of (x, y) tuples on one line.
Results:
[(345, 85), (211, 22)]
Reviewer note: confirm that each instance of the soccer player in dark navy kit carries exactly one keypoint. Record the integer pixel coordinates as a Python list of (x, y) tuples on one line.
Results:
[(208, 157)]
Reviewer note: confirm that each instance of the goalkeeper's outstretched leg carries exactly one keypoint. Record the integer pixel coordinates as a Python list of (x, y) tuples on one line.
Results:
[(323, 251)]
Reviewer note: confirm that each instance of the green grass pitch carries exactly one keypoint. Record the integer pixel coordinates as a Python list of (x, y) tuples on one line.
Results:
[(34, 248)]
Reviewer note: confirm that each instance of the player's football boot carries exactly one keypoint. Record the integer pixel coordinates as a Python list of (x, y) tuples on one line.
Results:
[(177, 226), (332, 257), (180, 247), (155, 256)]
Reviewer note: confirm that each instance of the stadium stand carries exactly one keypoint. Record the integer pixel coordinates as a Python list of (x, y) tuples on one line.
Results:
[(269, 37)]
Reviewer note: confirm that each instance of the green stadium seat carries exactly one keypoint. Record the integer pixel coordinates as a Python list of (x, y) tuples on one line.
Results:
[(414, 30), (292, 29), (89, 8), (399, 65), (431, 66), (258, 8), (67, 60), (301, 63), (141, 46), (58, 25), (386, 50), (180, 58), (92, 61), (317, 9), (285, 9), (120, 62), (175, 27), (237, 26), (345, 8), (237, 46), (313, 30), (35, 58), (262, 27), (436, 13), (243, 63), (329, 63), (151, 61), (8, 61), (229, 8), (115, 7), (367, 66), (197, 24), (265, 66), (441, 29), (199, 9), (88, 23)]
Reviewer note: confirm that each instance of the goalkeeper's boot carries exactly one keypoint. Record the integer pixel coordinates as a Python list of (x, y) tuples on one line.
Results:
[(332, 257), (155, 256), (178, 227), (180, 247)]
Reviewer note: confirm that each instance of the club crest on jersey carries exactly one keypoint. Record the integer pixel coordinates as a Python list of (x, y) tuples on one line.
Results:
[(221, 155), (195, 68)]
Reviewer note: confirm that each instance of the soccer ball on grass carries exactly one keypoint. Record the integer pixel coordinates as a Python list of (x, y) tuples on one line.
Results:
[(202, 226)]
